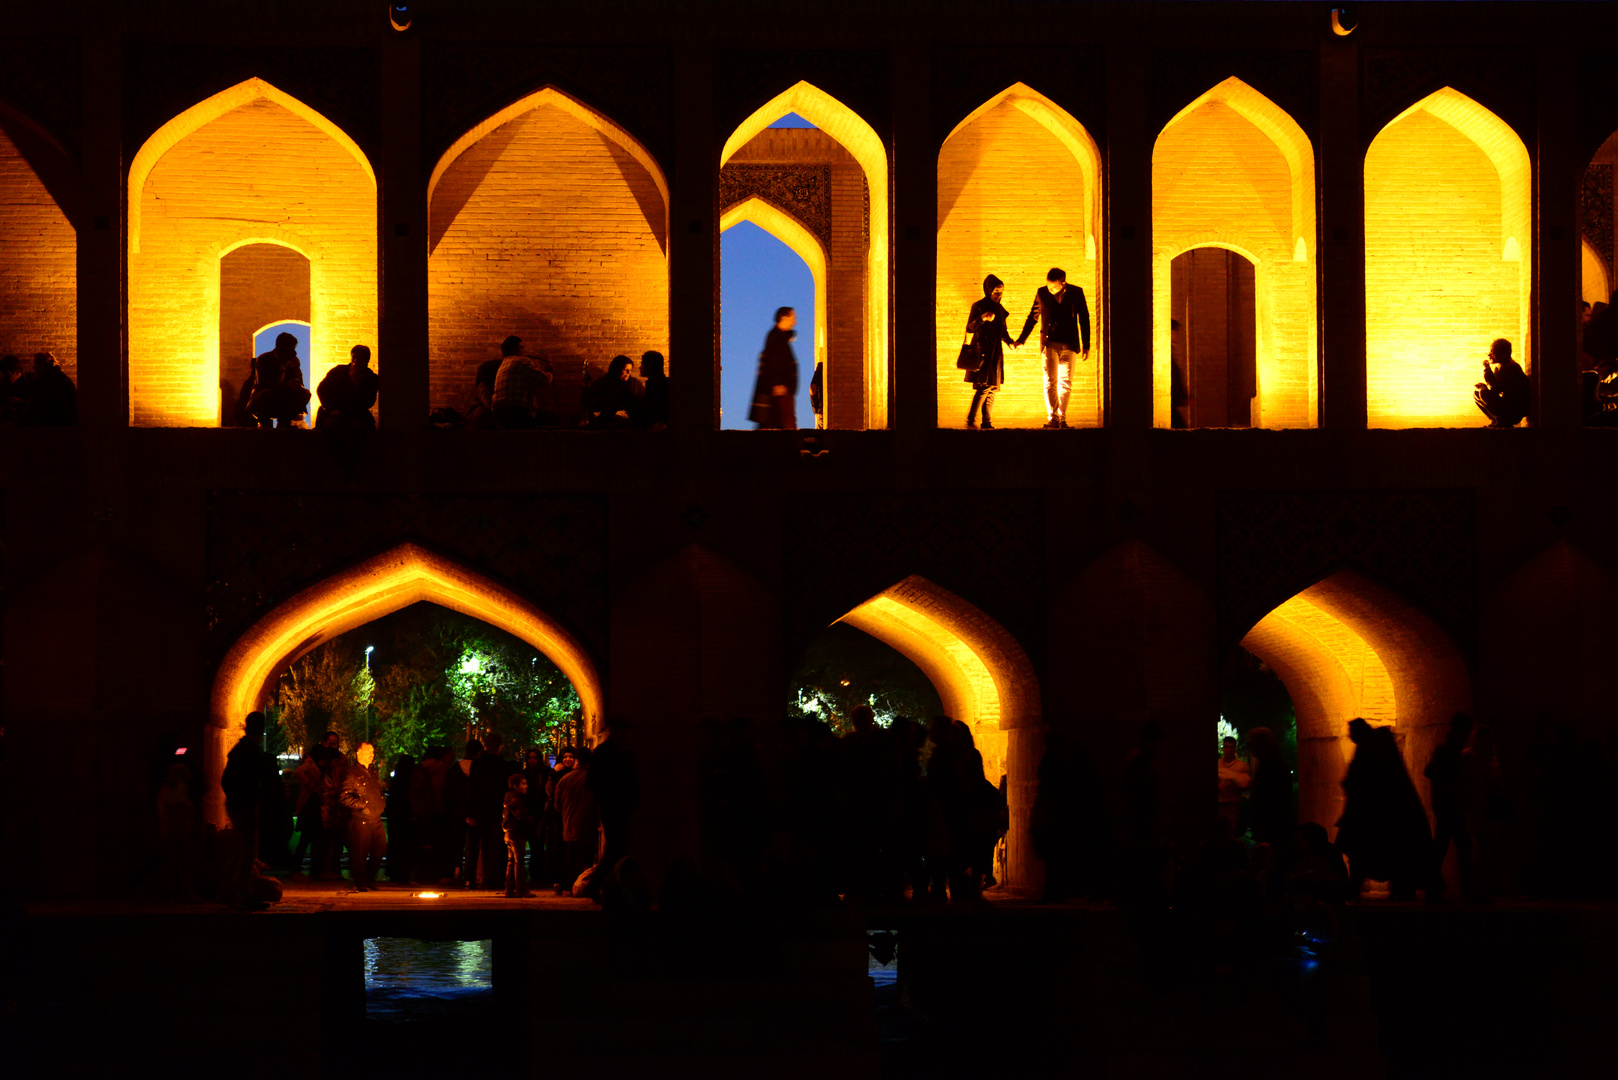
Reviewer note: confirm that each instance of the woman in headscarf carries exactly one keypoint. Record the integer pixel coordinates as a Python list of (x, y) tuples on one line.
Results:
[(986, 332)]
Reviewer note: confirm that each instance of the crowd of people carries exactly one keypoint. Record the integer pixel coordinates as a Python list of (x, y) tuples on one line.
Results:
[(41, 397), (519, 391)]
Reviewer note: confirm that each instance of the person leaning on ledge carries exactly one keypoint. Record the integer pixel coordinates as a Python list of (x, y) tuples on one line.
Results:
[(1503, 393)]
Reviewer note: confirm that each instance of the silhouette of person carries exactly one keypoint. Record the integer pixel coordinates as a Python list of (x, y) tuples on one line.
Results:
[(347, 394), (615, 781), (14, 388), (488, 775), (774, 392), (1383, 830), (1274, 817), (53, 399), (613, 400), (986, 332), (654, 402), (279, 395), (1064, 330), (1234, 776), (1446, 777), (1504, 392), (362, 798), (519, 386), (518, 824), (249, 769), (581, 823)]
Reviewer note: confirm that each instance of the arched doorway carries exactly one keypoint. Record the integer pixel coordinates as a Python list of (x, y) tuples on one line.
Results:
[(248, 165), (549, 221), (1019, 190), (983, 679), (39, 288), (1215, 343), (1232, 170), (406, 575), (260, 286), (1345, 648), (856, 375), (1448, 259), (800, 241)]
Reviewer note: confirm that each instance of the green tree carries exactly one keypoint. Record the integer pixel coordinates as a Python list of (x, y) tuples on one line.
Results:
[(327, 689), (844, 668)]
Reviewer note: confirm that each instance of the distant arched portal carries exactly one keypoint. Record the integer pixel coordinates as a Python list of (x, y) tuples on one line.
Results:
[(1232, 170), (249, 165), (376, 587), (1346, 647), (856, 377), (983, 678)]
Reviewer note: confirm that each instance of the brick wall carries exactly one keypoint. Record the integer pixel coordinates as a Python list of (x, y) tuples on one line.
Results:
[(1012, 202), (257, 173), (1437, 288), (259, 284), (1218, 180), (846, 261), (547, 229), (38, 272)]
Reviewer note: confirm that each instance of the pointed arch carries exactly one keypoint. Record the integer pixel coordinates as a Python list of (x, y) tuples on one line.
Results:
[(550, 221), (39, 288), (856, 136), (1448, 237), (578, 110), (1347, 647), (210, 109), (795, 235), (1234, 170), (988, 202), (984, 680), (1594, 284), (250, 164), (361, 594)]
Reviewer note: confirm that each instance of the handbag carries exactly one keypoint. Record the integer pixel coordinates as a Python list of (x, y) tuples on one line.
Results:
[(969, 359)]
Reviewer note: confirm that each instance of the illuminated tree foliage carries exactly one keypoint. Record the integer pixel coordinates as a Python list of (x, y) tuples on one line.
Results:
[(439, 678), (844, 668)]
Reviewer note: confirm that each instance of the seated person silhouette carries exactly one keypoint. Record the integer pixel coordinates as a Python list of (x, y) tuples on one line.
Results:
[(279, 393), (347, 393), (1503, 394), (611, 400)]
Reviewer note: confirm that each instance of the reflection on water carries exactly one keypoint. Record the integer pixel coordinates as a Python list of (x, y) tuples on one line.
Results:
[(407, 967)]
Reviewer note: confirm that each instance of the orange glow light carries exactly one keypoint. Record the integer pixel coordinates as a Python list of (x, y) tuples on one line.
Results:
[(403, 576)]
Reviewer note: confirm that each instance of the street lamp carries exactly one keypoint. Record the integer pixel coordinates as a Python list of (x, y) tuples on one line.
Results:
[(369, 649)]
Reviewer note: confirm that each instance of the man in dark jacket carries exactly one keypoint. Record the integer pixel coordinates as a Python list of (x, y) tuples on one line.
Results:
[(1446, 774), (1064, 329), (775, 392), (362, 798), (488, 776), (279, 393), (248, 771), (615, 781), (1503, 393), (53, 399), (347, 393)]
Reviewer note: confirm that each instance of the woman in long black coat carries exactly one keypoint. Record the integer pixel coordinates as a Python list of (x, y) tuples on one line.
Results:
[(986, 330)]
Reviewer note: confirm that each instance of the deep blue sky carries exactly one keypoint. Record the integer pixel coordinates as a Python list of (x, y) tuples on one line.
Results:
[(757, 274)]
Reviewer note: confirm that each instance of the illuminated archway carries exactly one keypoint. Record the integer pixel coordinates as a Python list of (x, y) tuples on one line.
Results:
[(862, 142), (1448, 260), (251, 164), (803, 243), (376, 587), (997, 214), (549, 221), (39, 286), (983, 678), (1345, 647), (1233, 170)]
